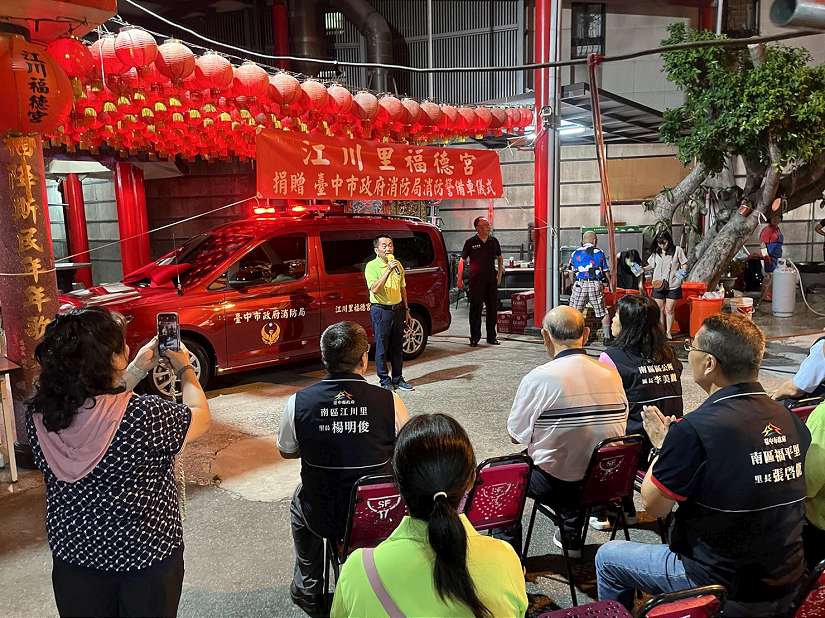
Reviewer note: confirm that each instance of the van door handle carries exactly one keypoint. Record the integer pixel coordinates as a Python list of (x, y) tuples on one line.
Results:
[(333, 296)]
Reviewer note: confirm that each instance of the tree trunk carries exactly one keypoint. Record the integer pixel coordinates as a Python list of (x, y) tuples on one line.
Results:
[(714, 261), (665, 205)]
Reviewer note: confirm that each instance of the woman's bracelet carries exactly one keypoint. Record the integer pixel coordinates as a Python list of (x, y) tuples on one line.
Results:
[(182, 370)]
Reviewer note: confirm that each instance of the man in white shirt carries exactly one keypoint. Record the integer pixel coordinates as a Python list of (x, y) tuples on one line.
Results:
[(562, 410)]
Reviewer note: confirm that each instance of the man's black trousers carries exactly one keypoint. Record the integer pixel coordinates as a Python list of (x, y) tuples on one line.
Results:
[(483, 290)]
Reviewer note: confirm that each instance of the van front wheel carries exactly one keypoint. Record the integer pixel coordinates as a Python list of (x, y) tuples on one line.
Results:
[(415, 335), (162, 381)]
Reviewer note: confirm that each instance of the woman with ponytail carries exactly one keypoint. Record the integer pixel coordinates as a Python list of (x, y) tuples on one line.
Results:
[(434, 563), (112, 513)]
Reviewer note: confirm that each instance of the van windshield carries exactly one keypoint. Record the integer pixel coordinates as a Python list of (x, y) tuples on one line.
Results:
[(205, 252)]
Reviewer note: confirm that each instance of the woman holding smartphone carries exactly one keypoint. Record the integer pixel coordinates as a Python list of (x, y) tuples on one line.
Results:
[(106, 454)]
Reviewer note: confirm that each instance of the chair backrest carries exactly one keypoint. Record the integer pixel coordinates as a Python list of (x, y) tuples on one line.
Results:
[(376, 509), (612, 470), (703, 602), (813, 599), (599, 609), (500, 491)]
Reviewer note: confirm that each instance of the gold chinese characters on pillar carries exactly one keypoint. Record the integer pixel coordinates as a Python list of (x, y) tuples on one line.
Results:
[(28, 286)]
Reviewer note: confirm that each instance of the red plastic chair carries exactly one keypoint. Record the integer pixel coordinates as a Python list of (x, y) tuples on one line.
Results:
[(703, 602), (376, 509), (609, 478), (813, 602), (499, 493), (599, 609)]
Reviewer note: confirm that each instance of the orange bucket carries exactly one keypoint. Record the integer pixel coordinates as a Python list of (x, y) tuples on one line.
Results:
[(700, 308)]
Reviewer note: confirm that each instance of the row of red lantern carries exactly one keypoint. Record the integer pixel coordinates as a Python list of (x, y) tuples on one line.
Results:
[(132, 76), (193, 124)]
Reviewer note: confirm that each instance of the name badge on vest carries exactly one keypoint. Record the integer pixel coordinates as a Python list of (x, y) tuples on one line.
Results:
[(344, 416)]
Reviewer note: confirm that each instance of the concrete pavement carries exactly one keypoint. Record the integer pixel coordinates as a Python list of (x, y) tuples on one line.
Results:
[(238, 545)]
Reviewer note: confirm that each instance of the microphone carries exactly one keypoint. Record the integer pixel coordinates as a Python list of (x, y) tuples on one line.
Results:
[(390, 258)]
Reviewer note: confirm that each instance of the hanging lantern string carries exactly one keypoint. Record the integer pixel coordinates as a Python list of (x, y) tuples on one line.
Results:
[(28, 274), (118, 20), (521, 67), (152, 231)]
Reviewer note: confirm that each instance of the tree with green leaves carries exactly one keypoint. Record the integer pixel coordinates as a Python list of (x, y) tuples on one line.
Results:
[(764, 104)]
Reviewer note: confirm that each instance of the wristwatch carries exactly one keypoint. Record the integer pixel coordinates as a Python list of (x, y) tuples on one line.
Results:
[(182, 370)]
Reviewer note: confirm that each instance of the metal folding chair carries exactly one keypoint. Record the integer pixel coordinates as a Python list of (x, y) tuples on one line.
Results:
[(703, 602), (499, 493), (609, 478), (376, 509)]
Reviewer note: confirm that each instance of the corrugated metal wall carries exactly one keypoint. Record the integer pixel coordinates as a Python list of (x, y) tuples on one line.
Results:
[(483, 32)]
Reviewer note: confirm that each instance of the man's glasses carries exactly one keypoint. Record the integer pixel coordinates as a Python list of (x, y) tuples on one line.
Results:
[(689, 348)]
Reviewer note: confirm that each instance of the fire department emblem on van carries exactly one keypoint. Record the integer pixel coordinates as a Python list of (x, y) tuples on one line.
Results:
[(270, 333)]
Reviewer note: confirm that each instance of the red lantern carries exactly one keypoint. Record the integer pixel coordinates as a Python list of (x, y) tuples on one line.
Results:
[(432, 112), (513, 118), (413, 110), (450, 119), (175, 60), (391, 111), (467, 119), (314, 95), (250, 80), (105, 58), (499, 118), (366, 104), (526, 117), (340, 99), (284, 88), (484, 118), (72, 56), (213, 71), (135, 47), (38, 95)]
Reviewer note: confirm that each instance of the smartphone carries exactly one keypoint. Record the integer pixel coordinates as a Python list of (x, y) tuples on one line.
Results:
[(168, 332)]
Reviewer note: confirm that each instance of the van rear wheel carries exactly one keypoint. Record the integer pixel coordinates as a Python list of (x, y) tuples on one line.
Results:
[(162, 381), (415, 335)]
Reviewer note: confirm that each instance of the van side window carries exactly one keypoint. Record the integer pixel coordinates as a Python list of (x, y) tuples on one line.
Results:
[(279, 260), (349, 252)]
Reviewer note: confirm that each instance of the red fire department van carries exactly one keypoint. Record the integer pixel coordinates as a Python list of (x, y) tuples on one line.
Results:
[(261, 291)]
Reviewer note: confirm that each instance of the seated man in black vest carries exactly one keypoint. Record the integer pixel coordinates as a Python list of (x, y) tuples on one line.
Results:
[(342, 429), (734, 465)]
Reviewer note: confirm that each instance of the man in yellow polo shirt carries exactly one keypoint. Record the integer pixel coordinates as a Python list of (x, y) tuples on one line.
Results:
[(389, 312)]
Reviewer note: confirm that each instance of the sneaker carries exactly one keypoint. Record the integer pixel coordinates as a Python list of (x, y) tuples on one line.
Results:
[(573, 549), (388, 385), (606, 524), (403, 385)]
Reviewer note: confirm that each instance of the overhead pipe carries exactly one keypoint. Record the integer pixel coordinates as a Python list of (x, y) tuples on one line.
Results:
[(307, 35), (369, 22), (798, 14)]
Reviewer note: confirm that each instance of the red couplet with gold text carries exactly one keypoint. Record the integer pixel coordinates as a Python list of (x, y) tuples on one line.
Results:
[(295, 165)]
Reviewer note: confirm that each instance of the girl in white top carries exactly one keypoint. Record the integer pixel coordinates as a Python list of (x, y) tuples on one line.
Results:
[(669, 265)]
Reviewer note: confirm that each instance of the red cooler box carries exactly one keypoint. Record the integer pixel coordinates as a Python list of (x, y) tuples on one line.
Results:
[(523, 303), (504, 321), (519, 323)]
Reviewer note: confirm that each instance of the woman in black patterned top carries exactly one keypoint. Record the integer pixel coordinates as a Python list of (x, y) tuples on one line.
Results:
[(112, 512)]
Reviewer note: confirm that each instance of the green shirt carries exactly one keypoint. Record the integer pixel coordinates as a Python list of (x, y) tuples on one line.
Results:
[(404, 563), (390, 294), (815, 469)]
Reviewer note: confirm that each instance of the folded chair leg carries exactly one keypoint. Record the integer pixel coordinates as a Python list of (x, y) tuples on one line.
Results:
[(529, 533), (623, 520), (660, 522), (570, 580)]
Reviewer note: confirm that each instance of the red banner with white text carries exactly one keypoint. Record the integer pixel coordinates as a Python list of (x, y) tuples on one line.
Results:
[(294, 165)]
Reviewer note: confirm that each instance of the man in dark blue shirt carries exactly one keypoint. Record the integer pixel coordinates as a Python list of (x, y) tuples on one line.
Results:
[(486, 270), (734, 466)]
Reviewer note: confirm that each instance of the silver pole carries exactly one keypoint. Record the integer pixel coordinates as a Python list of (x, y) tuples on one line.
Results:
[(430, 76), (553, 160), (720, 11)]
